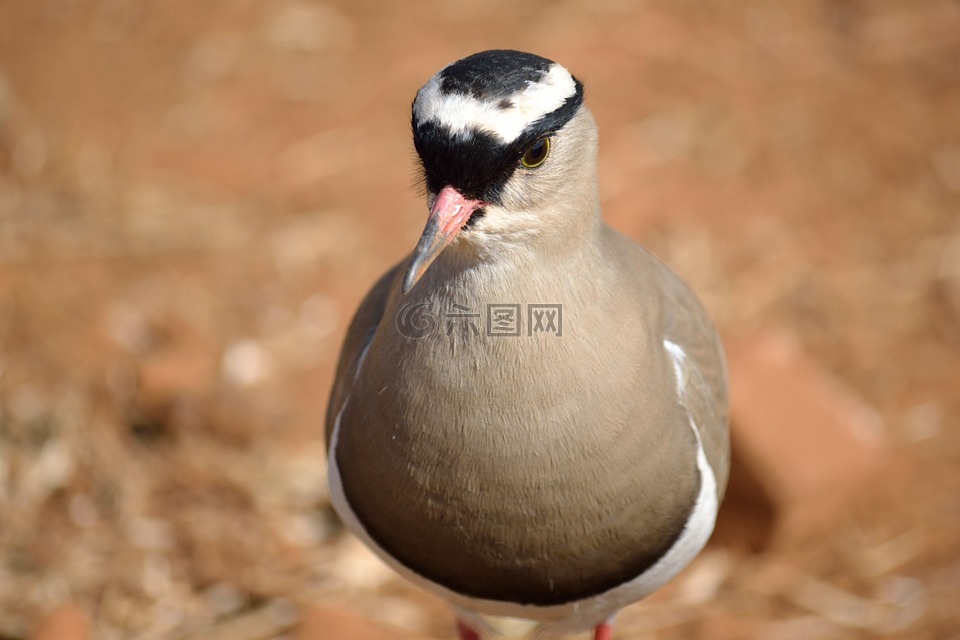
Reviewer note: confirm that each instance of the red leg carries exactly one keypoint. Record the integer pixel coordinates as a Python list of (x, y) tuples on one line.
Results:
[(604, 631), (466, 633)]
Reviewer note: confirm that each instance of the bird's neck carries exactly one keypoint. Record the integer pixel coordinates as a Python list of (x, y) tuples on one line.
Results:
[(521, 274)]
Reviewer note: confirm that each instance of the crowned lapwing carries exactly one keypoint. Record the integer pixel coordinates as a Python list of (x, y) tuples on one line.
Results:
[(529, 417)]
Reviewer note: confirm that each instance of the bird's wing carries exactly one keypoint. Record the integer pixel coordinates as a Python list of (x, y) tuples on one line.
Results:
[(698, 356), (361, 331)]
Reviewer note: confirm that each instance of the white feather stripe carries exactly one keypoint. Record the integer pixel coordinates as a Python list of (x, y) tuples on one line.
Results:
[(461, 114)]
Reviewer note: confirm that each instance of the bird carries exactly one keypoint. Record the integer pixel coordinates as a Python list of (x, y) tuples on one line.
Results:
[(529, 413)]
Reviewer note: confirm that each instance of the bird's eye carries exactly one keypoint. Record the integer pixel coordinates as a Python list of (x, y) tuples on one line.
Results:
[(537, 154)]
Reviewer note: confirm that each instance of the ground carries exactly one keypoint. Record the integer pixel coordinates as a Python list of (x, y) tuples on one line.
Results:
[(195, 196)]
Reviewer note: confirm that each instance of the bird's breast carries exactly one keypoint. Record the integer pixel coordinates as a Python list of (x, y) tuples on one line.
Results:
[(517, 471)]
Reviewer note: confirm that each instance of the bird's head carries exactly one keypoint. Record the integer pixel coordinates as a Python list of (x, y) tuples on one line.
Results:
[(508, 153)]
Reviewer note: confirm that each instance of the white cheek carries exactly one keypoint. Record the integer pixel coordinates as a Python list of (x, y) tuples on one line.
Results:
[(500, 223)]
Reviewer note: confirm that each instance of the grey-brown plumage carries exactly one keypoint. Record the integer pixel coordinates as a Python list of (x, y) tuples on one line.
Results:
[(527, 473)]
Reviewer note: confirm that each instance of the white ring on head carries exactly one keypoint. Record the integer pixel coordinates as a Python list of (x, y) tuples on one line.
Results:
[(462, 114)]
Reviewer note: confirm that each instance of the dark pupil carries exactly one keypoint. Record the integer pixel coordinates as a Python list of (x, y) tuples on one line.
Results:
[(537, 152)]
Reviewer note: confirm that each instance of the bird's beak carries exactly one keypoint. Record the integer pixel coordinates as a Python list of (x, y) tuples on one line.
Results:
[(449, 213)]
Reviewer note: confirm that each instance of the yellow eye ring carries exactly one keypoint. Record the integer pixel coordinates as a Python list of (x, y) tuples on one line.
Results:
[(537, 154)]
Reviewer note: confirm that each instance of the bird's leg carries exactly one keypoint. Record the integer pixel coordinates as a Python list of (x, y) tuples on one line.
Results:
[(604, 631), (464, 632)]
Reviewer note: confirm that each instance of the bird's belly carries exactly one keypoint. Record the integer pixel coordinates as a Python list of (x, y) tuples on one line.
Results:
[(498, 508)]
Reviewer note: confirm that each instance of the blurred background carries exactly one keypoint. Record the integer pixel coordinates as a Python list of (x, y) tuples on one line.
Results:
[(195, 196)]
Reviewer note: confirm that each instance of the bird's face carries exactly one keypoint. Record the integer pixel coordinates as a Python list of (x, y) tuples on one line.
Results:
[(505, 146)]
